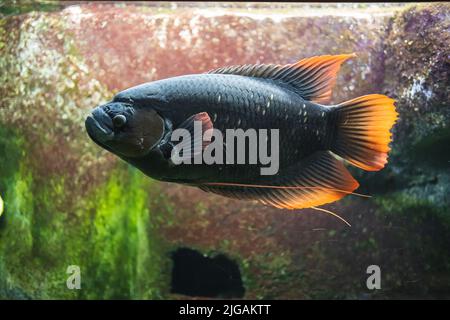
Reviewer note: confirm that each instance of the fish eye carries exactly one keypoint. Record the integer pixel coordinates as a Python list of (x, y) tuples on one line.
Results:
[(119, 120)]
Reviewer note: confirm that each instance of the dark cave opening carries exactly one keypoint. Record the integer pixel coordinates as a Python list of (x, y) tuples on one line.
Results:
[(193, 274)]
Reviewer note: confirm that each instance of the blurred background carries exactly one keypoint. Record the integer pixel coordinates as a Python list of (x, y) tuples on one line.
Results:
[(68, 202)]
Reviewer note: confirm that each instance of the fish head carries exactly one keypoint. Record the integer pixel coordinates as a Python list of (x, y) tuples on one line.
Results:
[(125, 129)]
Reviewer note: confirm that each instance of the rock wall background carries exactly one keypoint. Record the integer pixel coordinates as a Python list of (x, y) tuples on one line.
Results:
[(67, 202)]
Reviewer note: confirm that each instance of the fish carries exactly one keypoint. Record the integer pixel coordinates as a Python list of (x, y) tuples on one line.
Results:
[(316, 139)]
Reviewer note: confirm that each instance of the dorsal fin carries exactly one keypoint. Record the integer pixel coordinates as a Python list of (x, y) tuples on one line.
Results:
[(313, 78)]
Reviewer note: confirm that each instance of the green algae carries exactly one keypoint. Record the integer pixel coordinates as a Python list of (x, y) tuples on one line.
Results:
[(14, 7), (108, 234), (65, 203), (424, 239), (122, 229)]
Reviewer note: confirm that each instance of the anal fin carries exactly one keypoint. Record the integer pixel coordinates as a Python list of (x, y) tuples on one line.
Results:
[(317, 180)]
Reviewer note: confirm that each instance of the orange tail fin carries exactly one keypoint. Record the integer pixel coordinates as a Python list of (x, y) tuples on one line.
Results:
[(363, 130)]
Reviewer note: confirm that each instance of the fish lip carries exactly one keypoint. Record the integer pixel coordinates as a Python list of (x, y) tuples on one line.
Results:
[(96, 130)]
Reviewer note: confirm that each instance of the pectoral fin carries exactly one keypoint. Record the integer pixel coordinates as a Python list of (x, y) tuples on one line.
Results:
[(195, 136)]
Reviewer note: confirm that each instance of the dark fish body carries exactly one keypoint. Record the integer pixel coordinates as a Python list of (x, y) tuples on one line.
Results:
[(139, 123), (235, 101)]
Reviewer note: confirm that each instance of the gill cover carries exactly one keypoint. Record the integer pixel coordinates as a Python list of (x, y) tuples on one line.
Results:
[(142, 131)]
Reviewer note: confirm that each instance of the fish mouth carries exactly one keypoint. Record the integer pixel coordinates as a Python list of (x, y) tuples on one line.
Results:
[(99, 126)]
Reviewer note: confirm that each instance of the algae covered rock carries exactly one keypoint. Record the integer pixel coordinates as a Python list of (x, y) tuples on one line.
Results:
[(145, 44), (417, 76), (60, 192), (418, 70)]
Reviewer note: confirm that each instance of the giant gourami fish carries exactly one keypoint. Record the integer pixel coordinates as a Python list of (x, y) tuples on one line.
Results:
[(138, 123)]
